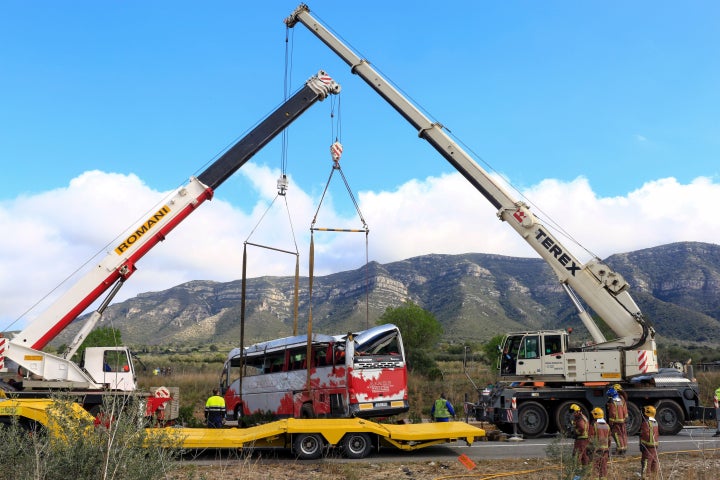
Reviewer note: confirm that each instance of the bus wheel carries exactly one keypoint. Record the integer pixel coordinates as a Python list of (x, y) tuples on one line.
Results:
[(307, 411), (308, 446), (669, 416), (240, 417), (356, 445)]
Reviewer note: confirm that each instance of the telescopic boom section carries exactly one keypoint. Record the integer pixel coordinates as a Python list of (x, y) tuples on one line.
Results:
[(604, 290), (120, 263)]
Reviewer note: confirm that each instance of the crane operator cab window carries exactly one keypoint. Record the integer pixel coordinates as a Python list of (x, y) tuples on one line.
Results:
[(553, 344), (115, 361), (509, 354), (530, 347)]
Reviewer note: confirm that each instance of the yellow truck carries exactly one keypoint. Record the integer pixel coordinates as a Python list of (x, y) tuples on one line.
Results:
[(307, 438)]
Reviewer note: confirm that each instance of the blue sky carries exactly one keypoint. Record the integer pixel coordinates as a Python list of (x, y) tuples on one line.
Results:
[(604, 113)]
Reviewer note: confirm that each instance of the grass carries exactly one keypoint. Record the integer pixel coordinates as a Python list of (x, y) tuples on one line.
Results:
[(197, 376), (197, 379), (74, 448)]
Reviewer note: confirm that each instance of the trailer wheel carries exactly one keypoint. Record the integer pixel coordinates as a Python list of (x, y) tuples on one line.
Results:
[(634, 419), (356, 445), (669, 416), (532, 419), (308, 446)]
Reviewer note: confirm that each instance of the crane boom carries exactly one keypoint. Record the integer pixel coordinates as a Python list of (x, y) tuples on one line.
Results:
[(604, 291), (121, 262)]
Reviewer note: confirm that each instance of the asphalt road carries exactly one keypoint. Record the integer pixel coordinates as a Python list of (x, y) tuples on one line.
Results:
[(689, 439)]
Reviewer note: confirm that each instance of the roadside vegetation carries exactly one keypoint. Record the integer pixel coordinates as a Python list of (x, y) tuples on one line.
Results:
[(116, 448), (120, 449), (436, 366)]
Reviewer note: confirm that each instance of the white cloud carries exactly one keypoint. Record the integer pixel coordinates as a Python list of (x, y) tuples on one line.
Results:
[(48, 236)]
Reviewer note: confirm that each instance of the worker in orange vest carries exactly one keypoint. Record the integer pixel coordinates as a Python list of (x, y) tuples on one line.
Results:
[(617, 413), (599, 436), (649, 434), (580, 430)]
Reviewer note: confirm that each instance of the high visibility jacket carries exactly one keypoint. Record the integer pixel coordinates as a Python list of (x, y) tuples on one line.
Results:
[(649, 432), (599, 435), (215, 402), (617, 410), (580, 426), (440, 409)]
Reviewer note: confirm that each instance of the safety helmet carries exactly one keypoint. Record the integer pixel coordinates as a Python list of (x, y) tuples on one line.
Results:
[(617, 387), (649, 411), (597, 412), (574, 407), (611, 392)]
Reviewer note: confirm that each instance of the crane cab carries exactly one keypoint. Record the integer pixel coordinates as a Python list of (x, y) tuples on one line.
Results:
[(111, 366), (527, 355)]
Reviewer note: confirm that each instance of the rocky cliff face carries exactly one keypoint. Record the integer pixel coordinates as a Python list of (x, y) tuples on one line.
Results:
[(474, 296)]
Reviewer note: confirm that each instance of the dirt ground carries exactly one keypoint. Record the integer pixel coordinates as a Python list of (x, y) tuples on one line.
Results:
[(685, 466)]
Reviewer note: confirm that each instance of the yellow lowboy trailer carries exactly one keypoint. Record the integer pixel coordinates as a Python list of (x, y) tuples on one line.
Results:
[(308, 438)]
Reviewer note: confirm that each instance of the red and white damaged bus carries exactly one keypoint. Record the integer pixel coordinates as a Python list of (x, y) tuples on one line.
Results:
[(360, 374)]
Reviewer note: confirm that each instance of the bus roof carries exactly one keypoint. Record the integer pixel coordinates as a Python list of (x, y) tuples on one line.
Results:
[(361, 337)]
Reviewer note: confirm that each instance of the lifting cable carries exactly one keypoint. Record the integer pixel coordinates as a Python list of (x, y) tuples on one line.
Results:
[(336, 152), (282, 184), (282, 187)]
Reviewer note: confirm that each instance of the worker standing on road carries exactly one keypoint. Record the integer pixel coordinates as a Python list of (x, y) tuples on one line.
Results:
[(617, 413), (215, 410), (717, 412), (599, 448), (442, 409), (581, 432), (649, 434)]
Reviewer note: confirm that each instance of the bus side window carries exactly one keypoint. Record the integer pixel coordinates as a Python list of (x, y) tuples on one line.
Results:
[(321, 357), (339, 357), (297, 358), (253, 366)]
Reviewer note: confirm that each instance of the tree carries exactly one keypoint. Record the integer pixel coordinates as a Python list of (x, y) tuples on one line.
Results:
[(420, 331), (491, 349), (100, 337)]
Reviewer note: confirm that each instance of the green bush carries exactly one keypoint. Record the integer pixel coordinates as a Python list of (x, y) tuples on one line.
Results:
[(119, 448)]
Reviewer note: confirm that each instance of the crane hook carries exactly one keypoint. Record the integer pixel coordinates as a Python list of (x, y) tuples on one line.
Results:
[(336, 150), (282, 185)]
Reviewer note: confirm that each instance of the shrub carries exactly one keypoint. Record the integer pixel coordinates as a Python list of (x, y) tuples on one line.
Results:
[(72, 447)]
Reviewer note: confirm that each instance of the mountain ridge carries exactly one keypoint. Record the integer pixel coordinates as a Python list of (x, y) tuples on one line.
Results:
[(474, 296)]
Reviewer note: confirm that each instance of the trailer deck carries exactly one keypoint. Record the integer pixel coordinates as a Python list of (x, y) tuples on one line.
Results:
[(308, 438)]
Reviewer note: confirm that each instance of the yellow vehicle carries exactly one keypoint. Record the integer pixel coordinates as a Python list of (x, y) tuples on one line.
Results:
[(307, 438)]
